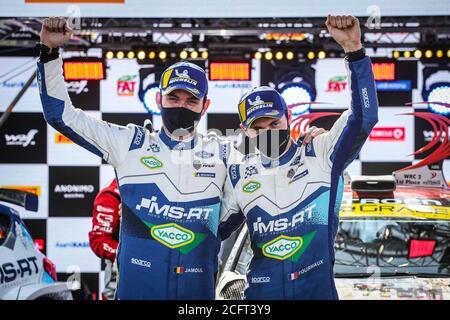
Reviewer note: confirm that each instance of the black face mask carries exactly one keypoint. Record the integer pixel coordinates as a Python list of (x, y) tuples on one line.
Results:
[(271, 143), (179, 121)]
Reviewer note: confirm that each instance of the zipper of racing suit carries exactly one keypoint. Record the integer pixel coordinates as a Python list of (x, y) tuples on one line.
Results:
[(283, 262), (180, 181)]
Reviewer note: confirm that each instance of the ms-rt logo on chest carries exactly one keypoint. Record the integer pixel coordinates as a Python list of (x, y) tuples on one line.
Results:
[(174, 212), (173, 235)]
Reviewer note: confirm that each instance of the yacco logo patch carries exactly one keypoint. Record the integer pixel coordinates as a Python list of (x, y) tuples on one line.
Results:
[(172, 235), (285, 247), (151, 162), (282, 247), (251, 186), (183, 244)]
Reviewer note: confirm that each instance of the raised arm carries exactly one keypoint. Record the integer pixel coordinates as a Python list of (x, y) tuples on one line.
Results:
[(109, 141), (341, 145)]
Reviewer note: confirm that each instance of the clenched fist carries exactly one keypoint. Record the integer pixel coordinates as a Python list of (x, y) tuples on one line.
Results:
[(55, 32), (346, 31)]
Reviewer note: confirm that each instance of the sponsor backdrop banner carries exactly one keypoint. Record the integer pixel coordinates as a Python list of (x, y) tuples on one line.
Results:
[(24, 139), (85, 94), (68, 246), (62, 151), (15, 72), (66, 178), (392, 138), (215, 9), (331, 84), (72, 190)]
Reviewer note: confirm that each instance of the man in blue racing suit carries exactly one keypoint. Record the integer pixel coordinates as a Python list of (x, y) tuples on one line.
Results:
[(171, 182), (290, 194)]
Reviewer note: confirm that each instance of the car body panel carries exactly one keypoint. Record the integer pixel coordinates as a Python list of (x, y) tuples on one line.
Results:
[(22, 275)]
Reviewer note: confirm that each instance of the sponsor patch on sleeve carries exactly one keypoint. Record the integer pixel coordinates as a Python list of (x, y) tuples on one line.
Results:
[(138, 139)]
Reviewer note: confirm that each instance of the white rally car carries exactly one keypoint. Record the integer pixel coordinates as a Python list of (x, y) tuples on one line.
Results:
[(25, 273)]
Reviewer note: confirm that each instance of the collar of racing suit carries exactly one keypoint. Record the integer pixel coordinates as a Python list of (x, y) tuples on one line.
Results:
[(283, 159), (187, 144)]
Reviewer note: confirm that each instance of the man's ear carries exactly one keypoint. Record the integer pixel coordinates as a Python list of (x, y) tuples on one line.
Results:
[(158, 99), (206, 106), (289, 119), (243, 129)]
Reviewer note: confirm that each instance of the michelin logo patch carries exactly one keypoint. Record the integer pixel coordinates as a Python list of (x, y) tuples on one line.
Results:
[(205, 174)]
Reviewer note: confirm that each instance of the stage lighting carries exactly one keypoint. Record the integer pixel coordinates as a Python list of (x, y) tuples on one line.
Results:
[(162, 55), (290, 55), (417, 54), (321, 55), (439, 92), (149, 99), (311, 55), (406, 54), (258, 55), (279, 55), (205, 54), (396, 54), (152, 54), (448, 53), (297, 93), (268, 55), (120, 55), (194, 54), (109, 55), (130, 55), (141, 55), (439, 53), (428, 54), (183, 55)]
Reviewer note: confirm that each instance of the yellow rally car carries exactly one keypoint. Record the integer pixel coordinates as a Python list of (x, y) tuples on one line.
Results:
[(393, 240)]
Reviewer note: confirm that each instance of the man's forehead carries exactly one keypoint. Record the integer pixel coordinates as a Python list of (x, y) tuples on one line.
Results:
[(264, 122), (180, 93)]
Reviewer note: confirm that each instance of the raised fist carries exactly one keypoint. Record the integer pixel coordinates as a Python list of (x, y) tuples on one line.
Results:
[(55, 32), (346, 31)]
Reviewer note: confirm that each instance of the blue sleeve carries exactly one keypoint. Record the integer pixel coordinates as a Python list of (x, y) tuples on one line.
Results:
[(341, 145), (109, 141)]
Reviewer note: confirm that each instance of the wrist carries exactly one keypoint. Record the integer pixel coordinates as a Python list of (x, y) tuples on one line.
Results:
[(351, 47), (352, 56), (46, 53), (49, 45)]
